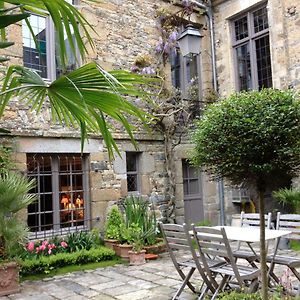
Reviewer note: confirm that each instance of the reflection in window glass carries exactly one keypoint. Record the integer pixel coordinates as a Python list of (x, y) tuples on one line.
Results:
[(263, 61), (71, 60), (35, 54), (260, 20), (241, 28), (244, 67)]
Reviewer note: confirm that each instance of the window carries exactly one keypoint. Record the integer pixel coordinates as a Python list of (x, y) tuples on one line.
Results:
[(132, 170), (42, 55), (61, 190), (183, 69), (252, 50)]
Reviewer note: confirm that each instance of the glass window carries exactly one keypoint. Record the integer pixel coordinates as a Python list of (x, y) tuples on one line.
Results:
[(35, 52), (132, 169), (43, 55), (252, 50), (60, 191)]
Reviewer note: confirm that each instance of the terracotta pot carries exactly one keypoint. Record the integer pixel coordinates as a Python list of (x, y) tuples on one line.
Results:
[(137, 258), (109, 243), (117, 249), (124, 249), (157, 248), (9, 278)]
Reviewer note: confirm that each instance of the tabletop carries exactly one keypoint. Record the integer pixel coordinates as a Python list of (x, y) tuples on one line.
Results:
[(251, 234)]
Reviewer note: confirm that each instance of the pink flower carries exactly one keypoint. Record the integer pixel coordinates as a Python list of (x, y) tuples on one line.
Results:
[(45, 243), (37, 249), (64, 244), (49, 251), (30, 246), (42, 247)]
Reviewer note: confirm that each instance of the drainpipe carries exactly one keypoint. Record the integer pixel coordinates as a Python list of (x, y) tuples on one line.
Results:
[(209, 13)]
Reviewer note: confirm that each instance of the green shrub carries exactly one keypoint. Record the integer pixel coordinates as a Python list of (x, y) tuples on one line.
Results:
[(114, 224), (45, 264)]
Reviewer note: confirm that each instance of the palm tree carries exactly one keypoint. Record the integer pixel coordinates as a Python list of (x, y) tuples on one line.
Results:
[(14, 189), (84, 98)]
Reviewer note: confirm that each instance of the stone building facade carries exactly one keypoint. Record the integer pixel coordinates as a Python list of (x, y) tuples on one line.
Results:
[(126, 30)]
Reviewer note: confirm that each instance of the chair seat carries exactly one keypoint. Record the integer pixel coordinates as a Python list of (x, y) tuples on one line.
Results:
[(248, 255), (246, 273), (290, 261)]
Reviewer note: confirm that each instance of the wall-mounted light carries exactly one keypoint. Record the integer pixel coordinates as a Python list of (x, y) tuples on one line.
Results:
[(190, 41)]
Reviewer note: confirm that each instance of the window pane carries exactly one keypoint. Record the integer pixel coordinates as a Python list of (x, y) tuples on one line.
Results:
[(175, 68), (191, 68), (64, 164), (71, 60), (132, 182), (263, 62), (193, 186), (260, 20), (46, 203), (34, 56), (244, 67), (131, 161), (241, 28), (45, 184)]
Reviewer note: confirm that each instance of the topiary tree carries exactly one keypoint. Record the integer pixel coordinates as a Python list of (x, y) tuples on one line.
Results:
[(250, 138)]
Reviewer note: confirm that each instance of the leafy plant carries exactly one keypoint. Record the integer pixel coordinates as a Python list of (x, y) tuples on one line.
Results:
[(80, 240), (114, 224), (46, 263), (14, 189), (137, 212), (251, 138), (288, 196)]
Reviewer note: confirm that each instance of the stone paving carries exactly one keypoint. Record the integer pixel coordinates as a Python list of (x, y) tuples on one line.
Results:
[(155, 280)]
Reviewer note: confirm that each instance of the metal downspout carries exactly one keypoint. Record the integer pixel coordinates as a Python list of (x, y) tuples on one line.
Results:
[(209, 14)]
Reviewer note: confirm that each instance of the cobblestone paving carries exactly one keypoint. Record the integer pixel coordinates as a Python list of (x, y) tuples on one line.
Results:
[(155, 280)]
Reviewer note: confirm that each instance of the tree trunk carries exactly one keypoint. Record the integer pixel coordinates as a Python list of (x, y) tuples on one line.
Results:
[(263, 253)]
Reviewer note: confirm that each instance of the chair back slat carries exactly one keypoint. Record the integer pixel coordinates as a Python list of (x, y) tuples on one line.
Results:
[(253, 219), (289, 222), (213, 242)]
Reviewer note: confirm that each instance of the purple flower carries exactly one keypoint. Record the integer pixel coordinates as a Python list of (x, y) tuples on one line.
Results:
[(185, 3), (173, 37), (134, 69), (148, 71)]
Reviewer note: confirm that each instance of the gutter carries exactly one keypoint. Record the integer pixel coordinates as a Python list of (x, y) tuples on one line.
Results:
[(209, 13)]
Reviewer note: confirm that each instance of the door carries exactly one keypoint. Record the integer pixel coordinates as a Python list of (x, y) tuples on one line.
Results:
[(192, 191)]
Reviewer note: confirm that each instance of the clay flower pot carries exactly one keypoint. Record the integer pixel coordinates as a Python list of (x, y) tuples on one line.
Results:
[(125, 248), (9, 278), (109, 243), (137, 258)]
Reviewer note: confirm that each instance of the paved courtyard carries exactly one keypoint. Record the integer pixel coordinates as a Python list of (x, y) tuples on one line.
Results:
[(155, 280)]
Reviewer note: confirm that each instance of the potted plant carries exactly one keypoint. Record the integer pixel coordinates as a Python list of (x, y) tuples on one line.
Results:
[(14, 197), (137, 254), (113, 227)]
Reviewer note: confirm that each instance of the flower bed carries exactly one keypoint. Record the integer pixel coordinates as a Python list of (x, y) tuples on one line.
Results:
[(45, 264)]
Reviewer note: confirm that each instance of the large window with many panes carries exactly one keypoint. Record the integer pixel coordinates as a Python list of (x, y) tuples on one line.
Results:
[(62, 193), (132, 171), (251, 47), (42, 53)]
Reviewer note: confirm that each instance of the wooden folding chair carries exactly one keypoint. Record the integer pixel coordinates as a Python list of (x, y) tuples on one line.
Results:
[(213, 243), (175, 238), (251, 219), (290, 222), (209, 282)]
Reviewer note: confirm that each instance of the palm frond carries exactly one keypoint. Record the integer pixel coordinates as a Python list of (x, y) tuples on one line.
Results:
[(83, 98), (67, 20)]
